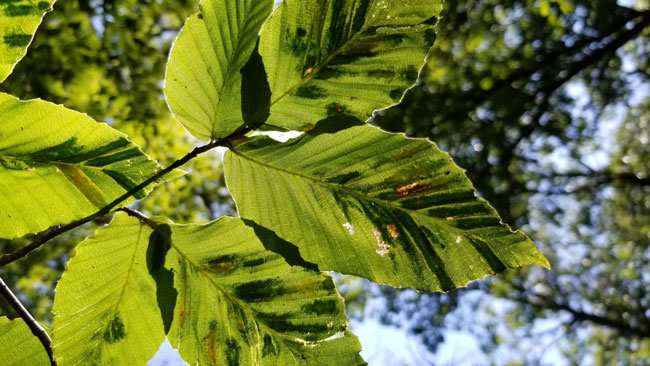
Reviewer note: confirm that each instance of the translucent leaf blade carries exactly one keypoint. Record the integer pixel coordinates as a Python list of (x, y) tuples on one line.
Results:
[(58, 165), (105, 309), (360, 201), (18, 346), (240, 304), (18, 22), (203, 81), (329, 57)]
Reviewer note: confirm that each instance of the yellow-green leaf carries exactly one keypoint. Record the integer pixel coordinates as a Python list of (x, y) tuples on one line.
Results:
[(105, 309), (328, 57), (360, 201), (18, 346), (58, 165), (203, 82), (18, 22), (240, 304), (220, 295)]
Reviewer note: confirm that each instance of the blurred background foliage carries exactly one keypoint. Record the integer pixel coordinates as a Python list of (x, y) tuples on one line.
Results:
[(546, 103)]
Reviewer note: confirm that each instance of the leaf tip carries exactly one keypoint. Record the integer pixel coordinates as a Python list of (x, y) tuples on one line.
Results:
[(543, 261)]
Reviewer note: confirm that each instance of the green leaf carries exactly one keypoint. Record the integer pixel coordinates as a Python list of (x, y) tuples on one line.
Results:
[(18, 346), (203, 83), (18, 22), (360, 201), (58, 165), (328, 57), (105, 309), (223, 298), (240, 304)]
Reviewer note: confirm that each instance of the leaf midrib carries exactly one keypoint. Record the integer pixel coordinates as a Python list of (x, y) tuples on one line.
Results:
[(126, 281), (237, 301), (363, 197), (54, 162), (230, 68), (329, 59)]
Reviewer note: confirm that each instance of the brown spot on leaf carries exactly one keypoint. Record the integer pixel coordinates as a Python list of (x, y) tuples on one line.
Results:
[(212, 343), (222, 265), (200, 16), (411, 188), (182, 306), (392, 229), (308, 127), (211, 346), (309, 70), (221, 268), (84, 184)]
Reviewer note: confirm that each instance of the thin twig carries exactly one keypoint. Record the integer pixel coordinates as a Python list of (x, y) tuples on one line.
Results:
[(551, 57), (544, 94), (36, 328), (599, 54), (544, 302), (19, 254)]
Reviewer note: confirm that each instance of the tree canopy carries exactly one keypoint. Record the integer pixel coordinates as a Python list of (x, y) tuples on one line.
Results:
[(543, 103)]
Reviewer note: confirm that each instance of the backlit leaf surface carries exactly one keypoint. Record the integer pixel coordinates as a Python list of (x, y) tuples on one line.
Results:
[(220, 295), (360, 201), (105, 308), (203, 83), (18, 346), (58, 165), (327, 57), (18, 22), (240, 304)]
